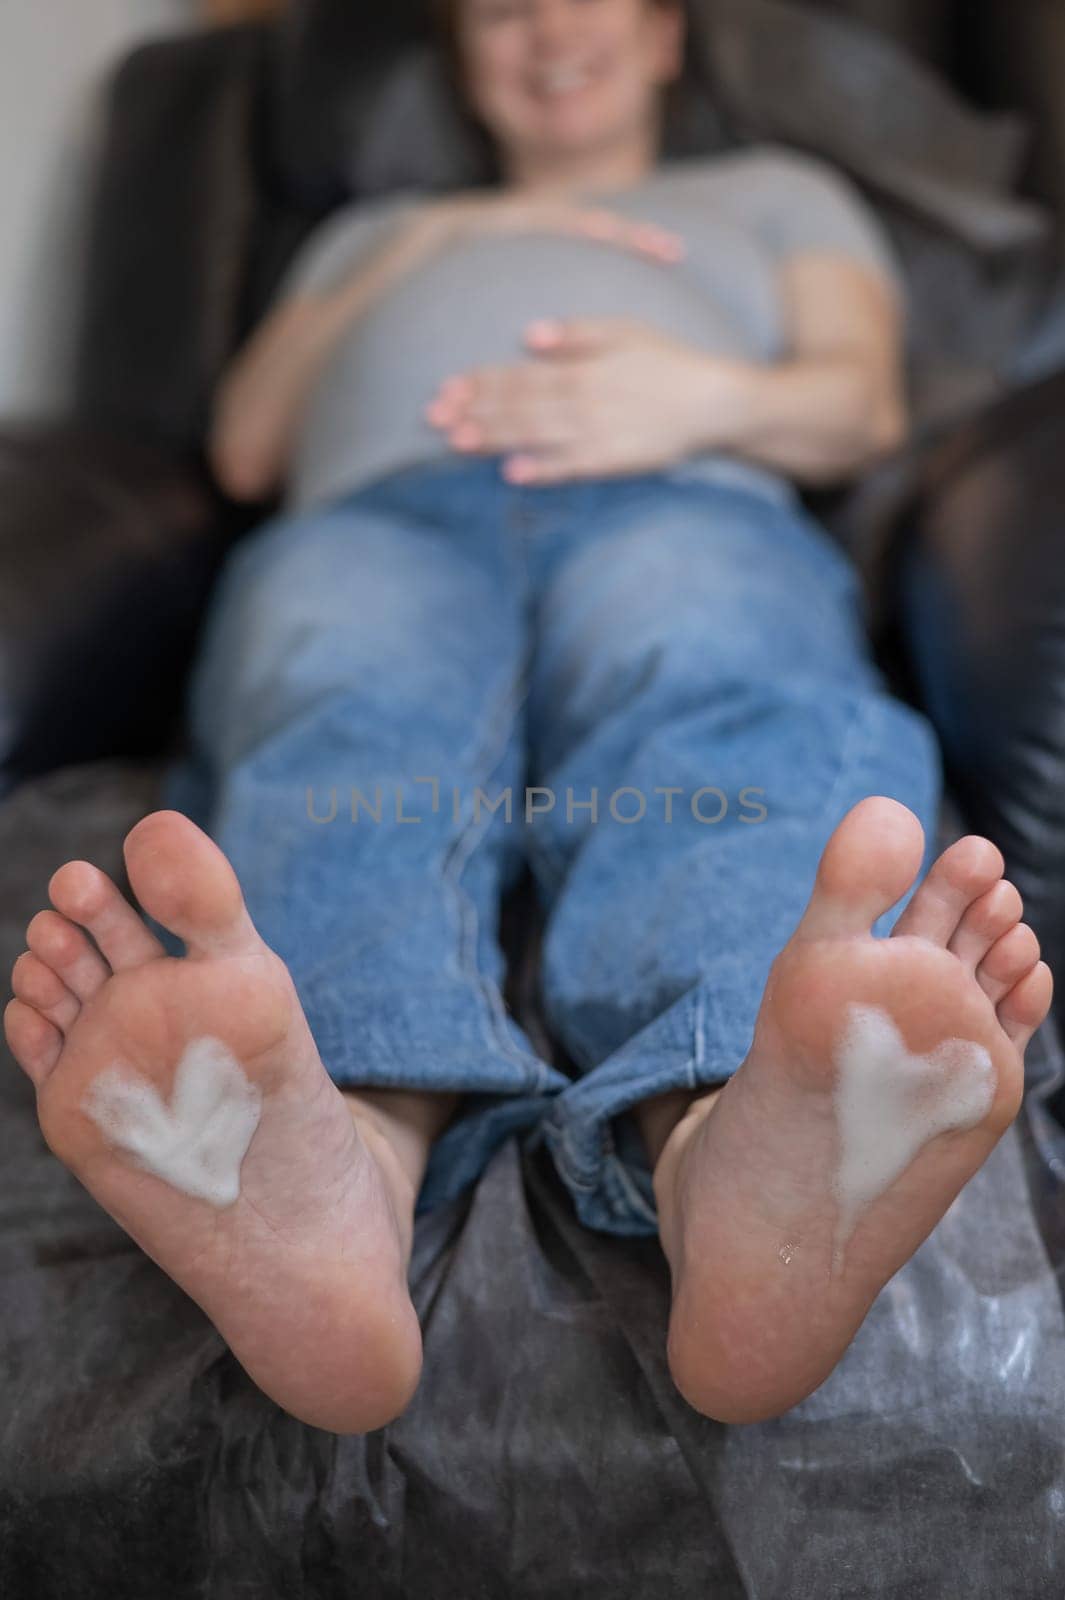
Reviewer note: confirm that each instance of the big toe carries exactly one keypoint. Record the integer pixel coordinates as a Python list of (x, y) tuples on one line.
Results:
[(183, 880), (868, 864)]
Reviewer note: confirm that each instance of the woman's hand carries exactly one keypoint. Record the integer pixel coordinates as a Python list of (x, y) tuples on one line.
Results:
[(603, 398), (440, 222)]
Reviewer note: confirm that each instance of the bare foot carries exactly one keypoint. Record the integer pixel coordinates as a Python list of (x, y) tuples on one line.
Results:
[(298, 1252), (768, 1289)]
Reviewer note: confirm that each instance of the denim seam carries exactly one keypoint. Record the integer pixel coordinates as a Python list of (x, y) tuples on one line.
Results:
[(859, 727), (698, 1038), (585, 1057), (492, 747), (456, 861), (636, 1201), (571, 1173), (566, 1137), (560, 1141)]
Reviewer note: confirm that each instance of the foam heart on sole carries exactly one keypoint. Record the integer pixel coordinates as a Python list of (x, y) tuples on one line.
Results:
[(196, 1143), (890, 1103)]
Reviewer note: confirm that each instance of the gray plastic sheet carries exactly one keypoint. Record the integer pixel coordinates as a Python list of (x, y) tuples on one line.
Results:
[(547, 1452)]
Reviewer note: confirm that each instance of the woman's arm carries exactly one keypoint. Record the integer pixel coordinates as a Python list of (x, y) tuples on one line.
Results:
[(837, 401), (262, 395)]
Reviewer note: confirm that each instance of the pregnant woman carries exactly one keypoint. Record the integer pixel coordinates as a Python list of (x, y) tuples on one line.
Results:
[(542, 584)]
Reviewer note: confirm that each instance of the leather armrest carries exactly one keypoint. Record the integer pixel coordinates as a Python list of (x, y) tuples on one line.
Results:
[(979, 620), (108, 548)]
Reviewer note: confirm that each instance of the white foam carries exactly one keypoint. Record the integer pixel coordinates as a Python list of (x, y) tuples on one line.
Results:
[(196, 1143), (890, 1103)]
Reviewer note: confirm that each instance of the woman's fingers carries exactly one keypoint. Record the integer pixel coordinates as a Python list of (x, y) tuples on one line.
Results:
[(610, 228), (562, 465), (450, 401), (470, 394), (522, 428), (580, 336), (507, 408), (584, 222)]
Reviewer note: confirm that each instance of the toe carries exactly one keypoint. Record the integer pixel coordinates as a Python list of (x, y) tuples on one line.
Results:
[(34, 1042), (86, 895), (967, 870), (39, 986), (989, 916), (184, 881), (869, 862), (63, 946), (1008, 960), (1026, 1005)]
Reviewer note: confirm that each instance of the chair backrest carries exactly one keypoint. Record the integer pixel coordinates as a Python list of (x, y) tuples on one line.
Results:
[(175, 209)]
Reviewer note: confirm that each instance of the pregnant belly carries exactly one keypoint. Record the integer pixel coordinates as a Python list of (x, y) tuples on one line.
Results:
[(470, 307)]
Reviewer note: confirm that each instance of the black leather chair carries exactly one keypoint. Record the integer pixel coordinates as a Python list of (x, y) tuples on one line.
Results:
[(547, 1451)]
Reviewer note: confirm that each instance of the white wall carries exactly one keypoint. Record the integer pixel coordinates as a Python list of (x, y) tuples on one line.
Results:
[(53, 56)]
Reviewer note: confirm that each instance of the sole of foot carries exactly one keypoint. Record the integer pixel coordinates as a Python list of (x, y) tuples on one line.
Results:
[(764, 1301), (299, 1257)]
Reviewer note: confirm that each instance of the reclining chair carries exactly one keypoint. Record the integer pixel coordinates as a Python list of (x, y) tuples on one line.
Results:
[(547, 1450)]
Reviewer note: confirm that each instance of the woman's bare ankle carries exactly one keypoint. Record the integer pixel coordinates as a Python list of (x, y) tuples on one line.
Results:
[(667, 1124), (657, 1118), (399, 1126)]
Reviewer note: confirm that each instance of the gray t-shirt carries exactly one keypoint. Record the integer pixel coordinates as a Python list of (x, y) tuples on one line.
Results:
[(740, 215)]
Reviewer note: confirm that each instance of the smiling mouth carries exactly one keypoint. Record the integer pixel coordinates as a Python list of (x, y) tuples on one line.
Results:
[(555, 83)]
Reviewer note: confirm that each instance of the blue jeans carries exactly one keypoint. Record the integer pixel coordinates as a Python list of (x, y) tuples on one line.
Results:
[(667, 675)]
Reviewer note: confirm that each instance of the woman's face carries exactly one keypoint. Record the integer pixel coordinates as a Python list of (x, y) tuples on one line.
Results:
[(551, 78)]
